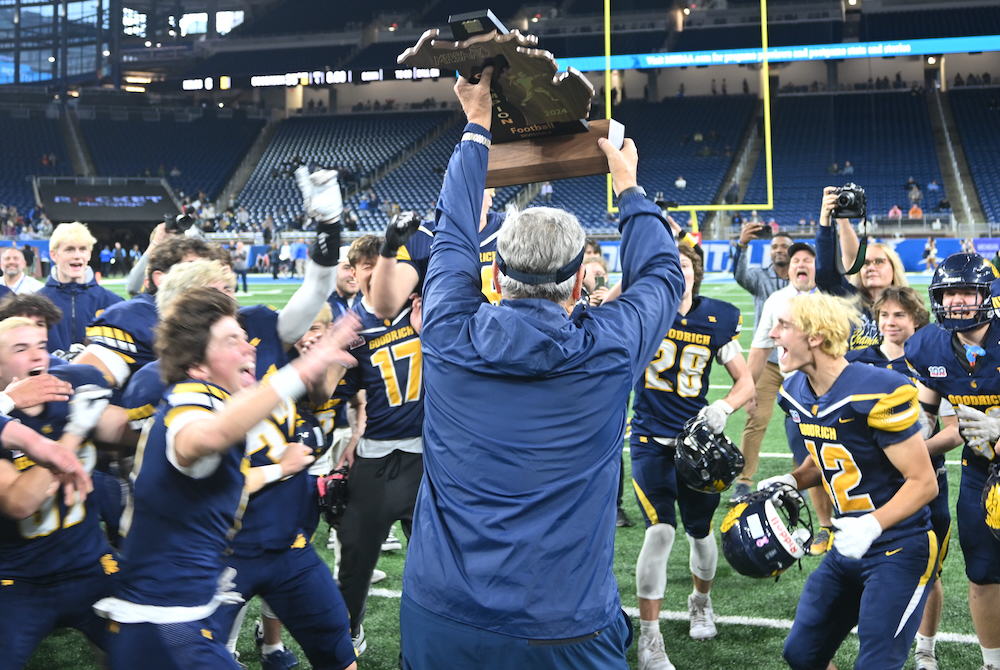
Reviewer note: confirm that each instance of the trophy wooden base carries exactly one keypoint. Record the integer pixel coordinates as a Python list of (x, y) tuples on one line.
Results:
[(548, 158)]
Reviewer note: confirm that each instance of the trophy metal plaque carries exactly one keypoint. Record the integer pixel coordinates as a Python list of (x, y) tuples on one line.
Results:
[(540, 128)]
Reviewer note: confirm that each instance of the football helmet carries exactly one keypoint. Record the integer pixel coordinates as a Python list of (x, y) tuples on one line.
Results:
[(310, 433), (963, 270), (991, 500), (706, 461), (767, 531), (333, 495)]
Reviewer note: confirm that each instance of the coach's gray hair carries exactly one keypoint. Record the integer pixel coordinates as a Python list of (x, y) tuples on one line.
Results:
[(539, 240)]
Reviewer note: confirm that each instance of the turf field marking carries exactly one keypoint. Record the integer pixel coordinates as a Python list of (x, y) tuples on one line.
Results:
[(760, 622)]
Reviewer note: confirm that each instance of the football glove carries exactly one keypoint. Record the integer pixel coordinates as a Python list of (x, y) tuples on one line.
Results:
[(400, 229), (715, 415), (926, 426), (786, 479), (979, 430), (325, 249), (321, 197), (853, 535), (85, 409)]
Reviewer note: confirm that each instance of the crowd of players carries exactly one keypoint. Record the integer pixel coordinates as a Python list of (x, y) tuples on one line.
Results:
[(181, 528)]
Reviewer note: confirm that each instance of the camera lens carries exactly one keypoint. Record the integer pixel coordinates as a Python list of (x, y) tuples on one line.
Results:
[(845, 199)]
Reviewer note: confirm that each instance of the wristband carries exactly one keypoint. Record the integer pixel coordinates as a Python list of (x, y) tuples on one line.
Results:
[(287, 383), (6, 404), (632, 189), (272, 473)]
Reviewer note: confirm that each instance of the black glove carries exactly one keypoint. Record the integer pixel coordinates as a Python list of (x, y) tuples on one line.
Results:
[(325, 249), (400, 229)]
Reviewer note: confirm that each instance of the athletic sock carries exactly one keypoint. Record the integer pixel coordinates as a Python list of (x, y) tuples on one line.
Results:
[(266, 649), (926, 643), (700, 599), (991, 657), (649, 628)]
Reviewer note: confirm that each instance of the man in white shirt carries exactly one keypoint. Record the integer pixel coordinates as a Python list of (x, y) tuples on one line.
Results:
[(681, 182), (13, 264)]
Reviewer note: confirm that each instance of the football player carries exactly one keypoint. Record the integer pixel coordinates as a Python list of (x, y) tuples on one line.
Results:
[(189, 483), (900, 312), (957, 360), (860, 425), (387, 463), (676, 383), (54, 560)]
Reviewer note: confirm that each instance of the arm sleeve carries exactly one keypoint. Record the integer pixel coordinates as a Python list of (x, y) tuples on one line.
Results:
[(828, 279), (298, 315), (137, 277), (453, 285)]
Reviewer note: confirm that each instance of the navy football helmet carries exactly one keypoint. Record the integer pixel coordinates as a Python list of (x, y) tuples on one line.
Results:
[(970, 271), (333, 495), (991, 500), (706, 461), (309, 432), (767, 531)]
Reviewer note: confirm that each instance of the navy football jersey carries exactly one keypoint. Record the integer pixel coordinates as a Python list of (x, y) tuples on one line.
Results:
[(676, 381), (417, 251), (128, 329), (180, 523), (929, 352), (266, 522), (145, 388), (333, 413), (390, 368), (846, 431)]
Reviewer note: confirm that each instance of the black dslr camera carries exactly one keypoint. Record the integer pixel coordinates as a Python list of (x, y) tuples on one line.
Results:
[(850, 202), (181, 222)]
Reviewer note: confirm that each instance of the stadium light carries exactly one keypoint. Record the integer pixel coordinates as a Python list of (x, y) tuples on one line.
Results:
[(931, 60), (687, 11), (149, 44), (52, 59), (106, 53)]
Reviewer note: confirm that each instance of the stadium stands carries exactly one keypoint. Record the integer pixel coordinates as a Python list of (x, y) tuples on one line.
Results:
[(206, 150), (270, 61), (929, 23), (379, 55), (24, 141), (748, 36), (977, 111), (886, 136), (317, 16), (659, 130), (361, 142)]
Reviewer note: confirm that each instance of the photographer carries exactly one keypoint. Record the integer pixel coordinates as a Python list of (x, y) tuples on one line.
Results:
[(172, 225), (882, 266)]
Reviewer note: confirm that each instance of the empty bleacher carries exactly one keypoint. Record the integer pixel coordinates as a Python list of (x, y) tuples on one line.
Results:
[(977, 115), (659, 130), (362, 143), (886, 136), (24, 141), (930, 23), (206, 150)]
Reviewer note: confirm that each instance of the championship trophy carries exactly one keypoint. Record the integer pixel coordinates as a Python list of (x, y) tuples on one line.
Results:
[(540, 128)]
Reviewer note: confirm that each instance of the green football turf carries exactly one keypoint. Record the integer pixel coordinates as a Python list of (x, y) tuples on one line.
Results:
[(754, 613)]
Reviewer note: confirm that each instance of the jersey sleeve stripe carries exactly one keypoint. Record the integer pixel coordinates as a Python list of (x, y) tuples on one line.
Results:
[(893, 412), (646, 505)]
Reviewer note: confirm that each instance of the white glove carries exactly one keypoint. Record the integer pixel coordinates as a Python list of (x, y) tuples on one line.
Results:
[(85, 409), (780, 479), (926, 427), (979, 430), (321, 197), (853, 535), (715, 415)]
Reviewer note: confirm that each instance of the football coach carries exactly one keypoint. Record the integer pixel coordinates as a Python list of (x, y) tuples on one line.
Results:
[(510, 560)]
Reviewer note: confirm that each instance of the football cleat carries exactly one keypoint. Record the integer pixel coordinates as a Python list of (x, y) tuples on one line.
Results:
[(333, 495), (991, 500), (926, 660), (377, 576), (278, 660), (359, 642), (702, 619), (963, 271), (822, 541), (391, 543), (652, 655), (767, 532), (706, 461), (741, 490)]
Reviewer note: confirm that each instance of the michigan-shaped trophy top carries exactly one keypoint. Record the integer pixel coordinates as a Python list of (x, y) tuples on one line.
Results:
[(528, 76)]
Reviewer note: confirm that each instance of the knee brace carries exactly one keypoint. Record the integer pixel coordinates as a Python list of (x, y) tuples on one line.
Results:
[(704, 556), (651, 568)]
